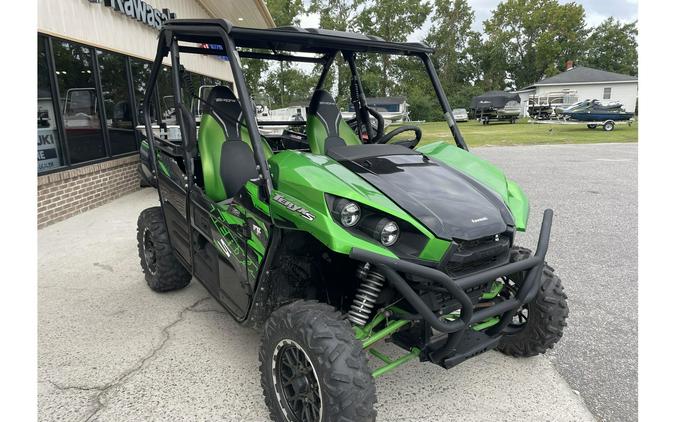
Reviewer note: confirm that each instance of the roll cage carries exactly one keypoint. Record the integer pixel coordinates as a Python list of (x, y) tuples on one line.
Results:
[(277, 44)]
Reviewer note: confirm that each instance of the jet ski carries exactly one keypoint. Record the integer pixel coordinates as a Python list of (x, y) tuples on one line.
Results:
[(595, 111)]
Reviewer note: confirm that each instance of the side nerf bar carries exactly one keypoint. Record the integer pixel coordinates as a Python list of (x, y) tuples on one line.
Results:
[(391, 267)]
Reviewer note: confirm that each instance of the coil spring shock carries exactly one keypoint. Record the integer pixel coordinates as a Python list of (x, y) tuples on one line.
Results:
[(366, 295)]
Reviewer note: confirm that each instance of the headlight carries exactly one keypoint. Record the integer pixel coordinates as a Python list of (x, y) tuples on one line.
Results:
[(348, 212), (375, 225), (382, 229), (388, 232)]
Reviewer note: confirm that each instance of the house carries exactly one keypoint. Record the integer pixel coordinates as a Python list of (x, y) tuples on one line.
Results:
[(586, 83), (391, 108)]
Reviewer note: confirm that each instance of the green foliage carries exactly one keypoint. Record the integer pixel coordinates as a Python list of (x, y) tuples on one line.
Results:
[(285, 12), (523, 42), (612, 46), (451, 35), (532, 39), (393, 20), (283, 86)]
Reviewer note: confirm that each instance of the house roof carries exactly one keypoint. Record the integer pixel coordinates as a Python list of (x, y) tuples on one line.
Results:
[(582, 74)]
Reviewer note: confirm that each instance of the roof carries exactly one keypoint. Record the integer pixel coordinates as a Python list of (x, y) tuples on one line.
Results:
[(385, 100), (252, 13), (493, 99), (582, 74), (289, 38)]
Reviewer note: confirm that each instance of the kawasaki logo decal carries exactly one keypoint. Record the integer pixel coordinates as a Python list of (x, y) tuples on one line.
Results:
[(295, 208)]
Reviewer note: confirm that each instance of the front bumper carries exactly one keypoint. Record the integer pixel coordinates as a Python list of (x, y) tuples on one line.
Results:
[(446, 353)]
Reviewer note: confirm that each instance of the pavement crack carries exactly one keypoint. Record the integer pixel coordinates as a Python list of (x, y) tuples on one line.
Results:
[(126, 375), (74, 387)]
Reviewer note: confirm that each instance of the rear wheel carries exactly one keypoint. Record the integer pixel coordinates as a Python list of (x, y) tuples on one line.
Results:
[(608, 126), (313, 368), (163, 271), (538, 325), (591, 126)]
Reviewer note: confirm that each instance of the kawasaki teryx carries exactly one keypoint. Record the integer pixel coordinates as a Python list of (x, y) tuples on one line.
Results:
[(334, 238)]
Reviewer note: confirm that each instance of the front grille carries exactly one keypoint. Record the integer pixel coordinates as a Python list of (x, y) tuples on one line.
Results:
[(470, 256)]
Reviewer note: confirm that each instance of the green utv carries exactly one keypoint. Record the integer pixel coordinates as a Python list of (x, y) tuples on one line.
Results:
[(334, 238)]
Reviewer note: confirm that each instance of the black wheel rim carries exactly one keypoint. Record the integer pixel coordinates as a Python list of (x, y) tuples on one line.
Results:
[(520, 318), (149, 252), (296, 384)]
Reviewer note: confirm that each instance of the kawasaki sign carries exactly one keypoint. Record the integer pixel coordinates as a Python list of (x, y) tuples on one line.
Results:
[(141, 11)]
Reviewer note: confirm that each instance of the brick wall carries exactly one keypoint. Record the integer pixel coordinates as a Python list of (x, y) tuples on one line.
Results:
[(69, 192)]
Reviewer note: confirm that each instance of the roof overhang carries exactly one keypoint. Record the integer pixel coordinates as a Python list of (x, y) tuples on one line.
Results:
[(251, 13), (588, 83)]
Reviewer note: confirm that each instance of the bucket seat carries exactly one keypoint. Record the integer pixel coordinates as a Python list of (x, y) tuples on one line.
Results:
[(225, 146), (325, 127)]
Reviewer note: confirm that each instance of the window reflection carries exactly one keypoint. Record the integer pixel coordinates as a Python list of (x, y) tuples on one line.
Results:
[(48, 153), (140, 70), (116, 101), (79, 103)]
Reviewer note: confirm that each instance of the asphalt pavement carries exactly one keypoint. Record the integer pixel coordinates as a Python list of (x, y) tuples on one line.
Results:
[(594, 249), (110, 349)]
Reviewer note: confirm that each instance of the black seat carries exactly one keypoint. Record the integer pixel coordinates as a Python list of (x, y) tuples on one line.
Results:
[(225, 146), (325, 127)]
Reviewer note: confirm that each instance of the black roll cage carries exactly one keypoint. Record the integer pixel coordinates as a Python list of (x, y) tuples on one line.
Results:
[(239, 43)]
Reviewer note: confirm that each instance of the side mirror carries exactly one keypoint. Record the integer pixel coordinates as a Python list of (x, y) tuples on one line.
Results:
[(237, 166)]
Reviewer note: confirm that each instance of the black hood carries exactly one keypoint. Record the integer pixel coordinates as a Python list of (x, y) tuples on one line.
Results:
[(450, 204)]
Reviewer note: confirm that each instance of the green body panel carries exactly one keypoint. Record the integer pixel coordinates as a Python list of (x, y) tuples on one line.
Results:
[(304, 178), (485, 173), (317, 134)]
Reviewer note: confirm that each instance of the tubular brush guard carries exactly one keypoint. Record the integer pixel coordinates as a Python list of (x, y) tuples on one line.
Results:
[(533, 266)]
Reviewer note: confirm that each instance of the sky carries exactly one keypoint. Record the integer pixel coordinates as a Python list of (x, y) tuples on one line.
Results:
[(596, 12)]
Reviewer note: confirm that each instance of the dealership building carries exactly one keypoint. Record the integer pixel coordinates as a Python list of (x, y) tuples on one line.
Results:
[(94, 59)]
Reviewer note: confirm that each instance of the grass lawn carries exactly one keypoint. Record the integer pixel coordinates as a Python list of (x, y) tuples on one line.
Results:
[(522, 133)]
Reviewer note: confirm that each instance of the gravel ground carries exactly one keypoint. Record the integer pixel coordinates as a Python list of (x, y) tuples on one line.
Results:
[(594, 249)]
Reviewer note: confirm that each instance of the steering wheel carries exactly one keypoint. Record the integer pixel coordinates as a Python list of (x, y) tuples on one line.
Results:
[(379, 131), (410, 143)]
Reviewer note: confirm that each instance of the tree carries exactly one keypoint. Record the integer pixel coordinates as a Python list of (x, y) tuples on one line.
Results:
[(534, 38), (458, 49), (450, 35), (612, 46), (285, 13), (298, 86), (393, 20), (337, 15)]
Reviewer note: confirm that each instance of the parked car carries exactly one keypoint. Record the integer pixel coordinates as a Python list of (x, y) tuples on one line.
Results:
[(460, 115)]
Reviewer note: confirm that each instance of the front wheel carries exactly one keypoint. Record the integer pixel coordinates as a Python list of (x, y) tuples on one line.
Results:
[(538, 325), (163, 271), (313, 368)]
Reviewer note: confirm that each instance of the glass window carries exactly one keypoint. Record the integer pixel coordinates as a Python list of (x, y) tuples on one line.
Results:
[(607, 94), (48, 152), (79, 103), (165, 90), (116, 101), (140, 71)]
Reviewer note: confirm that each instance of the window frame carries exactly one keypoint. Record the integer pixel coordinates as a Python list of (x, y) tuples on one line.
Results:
[(607, 93)]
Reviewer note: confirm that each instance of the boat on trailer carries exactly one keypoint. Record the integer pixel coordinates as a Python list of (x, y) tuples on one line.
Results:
[(594, 111)]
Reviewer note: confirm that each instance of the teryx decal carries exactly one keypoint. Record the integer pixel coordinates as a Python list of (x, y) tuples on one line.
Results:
[(295, 208)]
